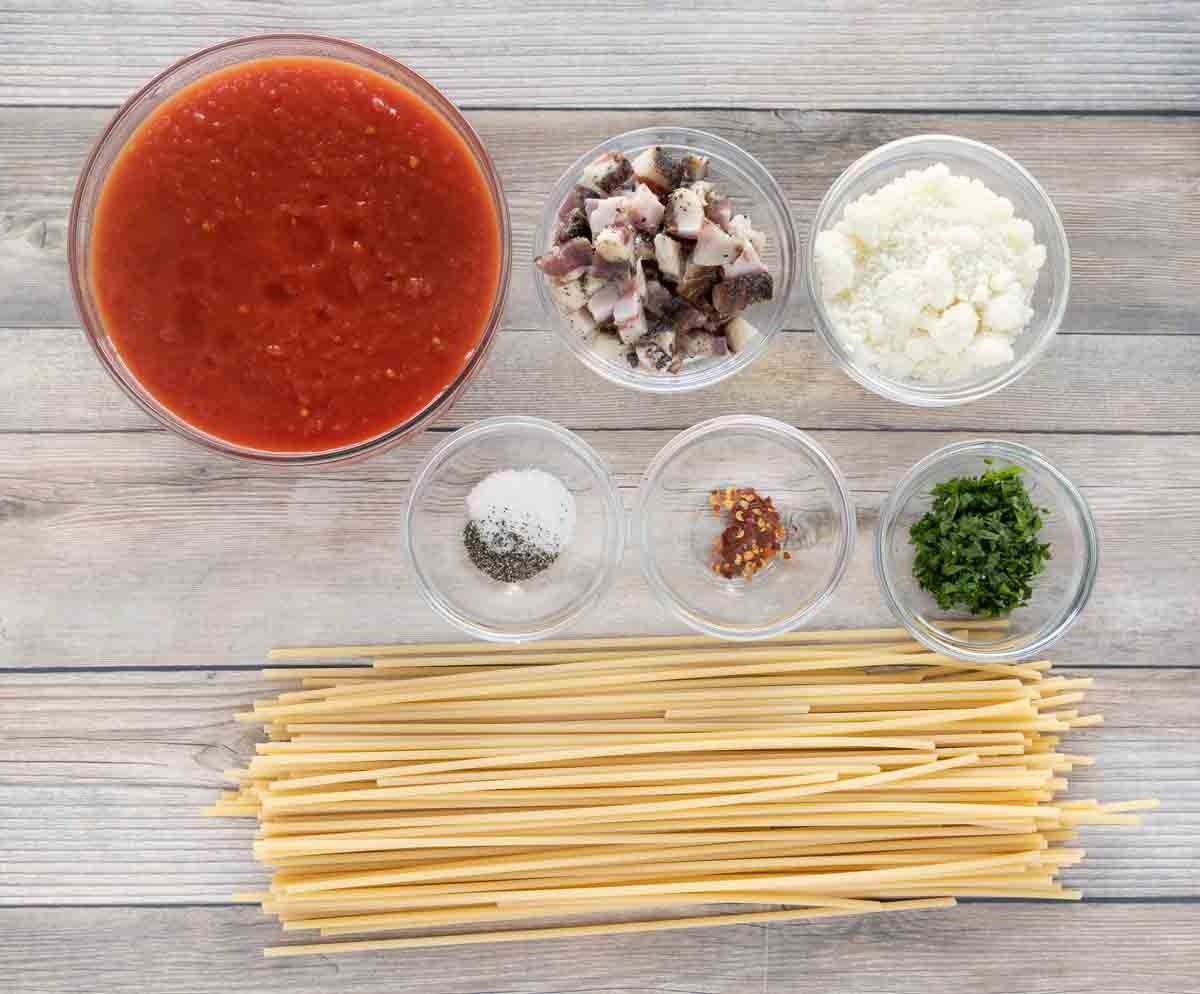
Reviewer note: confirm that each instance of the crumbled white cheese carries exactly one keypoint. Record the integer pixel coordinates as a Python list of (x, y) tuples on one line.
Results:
[(930, 278)]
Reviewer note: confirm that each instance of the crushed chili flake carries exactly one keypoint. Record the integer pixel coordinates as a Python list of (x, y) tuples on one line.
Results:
[(752, 536)]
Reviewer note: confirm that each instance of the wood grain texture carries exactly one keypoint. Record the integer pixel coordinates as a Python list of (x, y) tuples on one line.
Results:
[(50, 381), (103, 778), (1020, 55), (124, 547), (992, 948), (138, 550), (1125, 187)]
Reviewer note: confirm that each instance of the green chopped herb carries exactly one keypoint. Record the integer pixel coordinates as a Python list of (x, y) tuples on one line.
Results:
[(977, 547)]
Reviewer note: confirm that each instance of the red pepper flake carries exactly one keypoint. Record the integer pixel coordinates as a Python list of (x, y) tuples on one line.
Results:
[(753, 534)]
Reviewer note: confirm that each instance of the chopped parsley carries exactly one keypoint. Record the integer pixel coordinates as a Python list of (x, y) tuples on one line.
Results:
[(977, 547)]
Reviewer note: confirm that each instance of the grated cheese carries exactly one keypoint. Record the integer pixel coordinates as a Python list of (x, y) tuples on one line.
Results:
[(930, 278)]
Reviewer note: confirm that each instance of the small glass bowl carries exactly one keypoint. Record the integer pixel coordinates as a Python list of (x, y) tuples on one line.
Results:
[(141, 106), (754, 193), (676, 527), (1059, 593), (1005, 177), (437, 514)]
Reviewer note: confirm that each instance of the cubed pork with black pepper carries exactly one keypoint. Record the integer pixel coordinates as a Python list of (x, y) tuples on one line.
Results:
[(684, 216), (655, 351), (714, 247), (615, 243), (606, 173), (732, 296), (747, 261), (657, 169), (629, 315), (603, 301), (568, 295), (741, 228), (700, 344), (681, 315), (574, 225), (695, 167), (603, 212), (670, 256), (697, 281), (568, 260), (651, 266), (658, 297), (719, 210), (645, 209)]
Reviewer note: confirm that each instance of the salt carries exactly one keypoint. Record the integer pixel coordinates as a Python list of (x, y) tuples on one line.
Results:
[(530, 503)]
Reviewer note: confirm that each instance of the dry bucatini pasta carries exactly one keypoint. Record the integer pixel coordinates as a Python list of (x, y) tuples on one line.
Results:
[(832, 773)]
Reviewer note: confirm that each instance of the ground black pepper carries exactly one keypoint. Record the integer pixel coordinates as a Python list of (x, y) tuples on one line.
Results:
[(510, 558)]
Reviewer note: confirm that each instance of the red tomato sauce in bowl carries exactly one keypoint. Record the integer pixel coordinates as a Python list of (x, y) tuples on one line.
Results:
[(295, 254)]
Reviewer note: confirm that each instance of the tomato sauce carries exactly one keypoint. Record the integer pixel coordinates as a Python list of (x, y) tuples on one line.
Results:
[(295, 254)]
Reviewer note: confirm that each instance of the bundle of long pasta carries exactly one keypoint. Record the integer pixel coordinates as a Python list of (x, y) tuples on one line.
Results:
[(830, 773)]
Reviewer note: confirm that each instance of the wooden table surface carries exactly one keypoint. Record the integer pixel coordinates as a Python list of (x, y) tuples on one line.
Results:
[(143, 580)]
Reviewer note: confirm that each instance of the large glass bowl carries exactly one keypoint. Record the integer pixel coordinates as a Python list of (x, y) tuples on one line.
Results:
[(437, 514), (1005, 177), (675, 526), (144, 103), (1059, 593), (754, 193)]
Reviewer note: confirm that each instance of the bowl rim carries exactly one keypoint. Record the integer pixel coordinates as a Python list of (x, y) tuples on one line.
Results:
[(124, 377), (840, 498), (472, 434), (890, 511), (751, 171), (914, 394)]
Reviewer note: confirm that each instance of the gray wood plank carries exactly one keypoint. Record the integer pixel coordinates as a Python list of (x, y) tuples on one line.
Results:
[(137, 550), (1124, 186), (994, 948), (50, 381), (1028, 55), (102, 778)]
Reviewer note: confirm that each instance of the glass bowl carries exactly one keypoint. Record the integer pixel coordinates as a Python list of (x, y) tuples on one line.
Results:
[(676, 527), (754, 192), (144, 103), (437, 514), (1005, 177), (1059, 593)]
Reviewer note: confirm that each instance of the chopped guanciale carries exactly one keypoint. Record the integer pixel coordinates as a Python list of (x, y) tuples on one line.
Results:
[(651, 266), (753, 534)]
